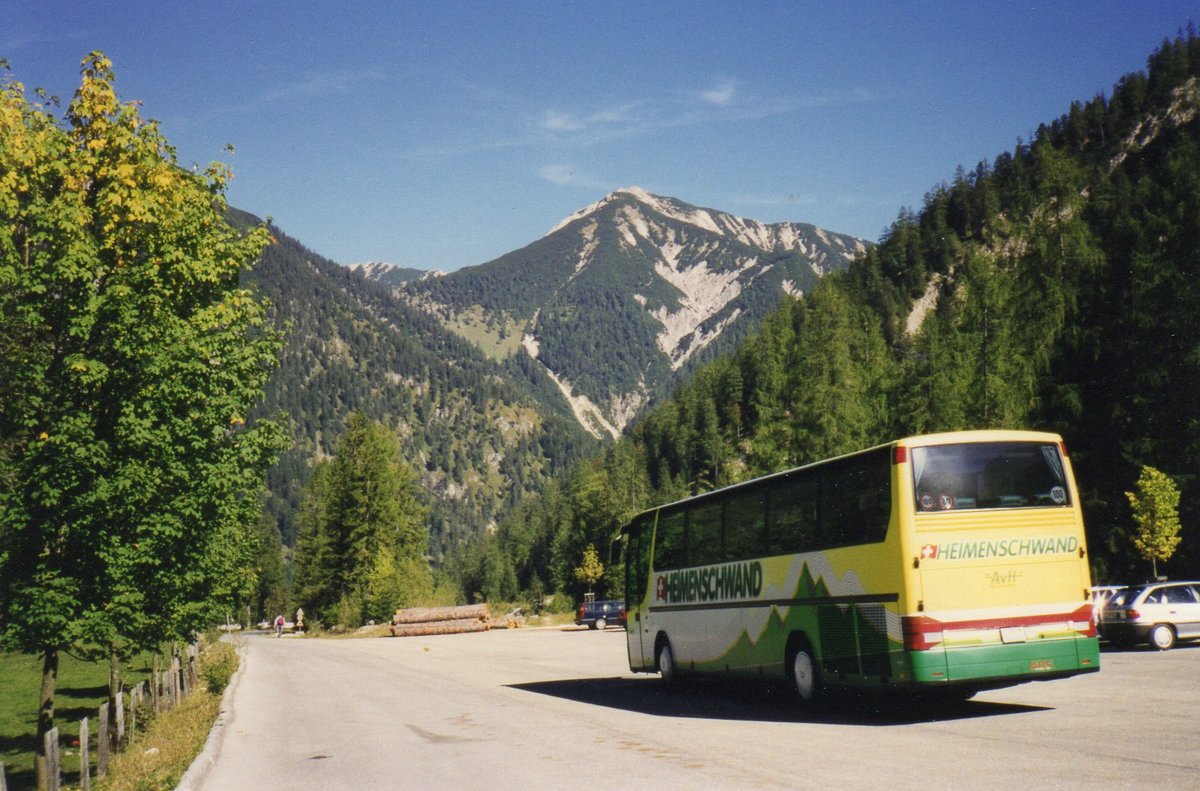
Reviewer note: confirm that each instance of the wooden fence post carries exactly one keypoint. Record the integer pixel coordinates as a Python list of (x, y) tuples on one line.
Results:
[(53, 765), (85, 756), (154, 681), (3, 782), (175, 689), (140, 695), (120, 712), (135, 697), (102, 741)]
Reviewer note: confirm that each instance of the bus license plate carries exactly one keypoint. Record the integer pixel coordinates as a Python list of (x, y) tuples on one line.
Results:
[(1012, 634)]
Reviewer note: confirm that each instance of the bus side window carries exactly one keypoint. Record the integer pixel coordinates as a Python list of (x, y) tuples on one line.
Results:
[(704, 533), (670, 549), (836, 513), (637, 561), (745, 526), (875, 497), (793, 512), (856, 500)]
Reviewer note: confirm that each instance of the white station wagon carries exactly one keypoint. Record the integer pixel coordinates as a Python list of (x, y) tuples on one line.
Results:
[(1158, 613)]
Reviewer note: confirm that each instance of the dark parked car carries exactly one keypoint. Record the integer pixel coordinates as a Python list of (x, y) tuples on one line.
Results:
[(1158, 613), (599, 614)]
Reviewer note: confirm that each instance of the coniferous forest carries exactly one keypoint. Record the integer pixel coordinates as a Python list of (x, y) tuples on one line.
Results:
[(1054, 288)]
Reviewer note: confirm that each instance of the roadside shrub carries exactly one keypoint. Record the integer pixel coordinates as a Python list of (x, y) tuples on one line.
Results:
[(559, 604), (348, 612), (217, 665)]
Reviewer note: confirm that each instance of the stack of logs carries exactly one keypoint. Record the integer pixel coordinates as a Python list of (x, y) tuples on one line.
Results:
[(420, 621)]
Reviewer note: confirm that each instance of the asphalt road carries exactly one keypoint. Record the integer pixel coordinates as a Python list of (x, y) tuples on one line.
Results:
[(559, 709)]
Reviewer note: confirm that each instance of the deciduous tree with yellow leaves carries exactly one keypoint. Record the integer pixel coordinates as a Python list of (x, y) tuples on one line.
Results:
[(129, 359), (1155, 505)]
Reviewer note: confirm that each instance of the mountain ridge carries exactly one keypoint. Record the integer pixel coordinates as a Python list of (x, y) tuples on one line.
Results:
[(647, 285)]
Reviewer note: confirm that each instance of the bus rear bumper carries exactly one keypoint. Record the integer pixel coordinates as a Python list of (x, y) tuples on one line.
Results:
[(1006, 664)]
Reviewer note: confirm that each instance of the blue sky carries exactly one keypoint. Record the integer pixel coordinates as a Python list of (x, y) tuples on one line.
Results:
[(442, 134)]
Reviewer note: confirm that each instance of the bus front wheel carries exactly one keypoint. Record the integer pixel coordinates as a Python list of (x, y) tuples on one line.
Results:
[(666, 664)]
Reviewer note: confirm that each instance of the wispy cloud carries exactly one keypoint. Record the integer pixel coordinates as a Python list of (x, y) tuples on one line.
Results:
[(724, 101), (312, 85), (721, 95), (565, 175), (791, 199), (555, 121), (334, 82), (608, 118)]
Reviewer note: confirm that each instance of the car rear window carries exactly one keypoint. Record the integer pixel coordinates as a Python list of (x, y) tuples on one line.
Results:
[(1123, 597)]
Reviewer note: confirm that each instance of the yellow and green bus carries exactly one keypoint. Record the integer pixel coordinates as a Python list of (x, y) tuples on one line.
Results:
[(946, 562)]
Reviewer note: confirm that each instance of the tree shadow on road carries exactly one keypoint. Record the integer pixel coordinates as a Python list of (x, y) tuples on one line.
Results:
[(762, 702)]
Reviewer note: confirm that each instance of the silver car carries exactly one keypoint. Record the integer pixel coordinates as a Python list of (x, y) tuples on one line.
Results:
[(1100, 596), (1158, 613)]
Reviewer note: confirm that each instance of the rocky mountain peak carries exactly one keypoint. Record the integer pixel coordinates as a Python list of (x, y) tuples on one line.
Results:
[(622, 297)]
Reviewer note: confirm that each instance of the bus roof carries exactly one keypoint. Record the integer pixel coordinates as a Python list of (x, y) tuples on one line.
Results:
[(978, 435), (914, 441)]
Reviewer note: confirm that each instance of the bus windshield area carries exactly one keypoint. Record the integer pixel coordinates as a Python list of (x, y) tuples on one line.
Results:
[(988, 475)]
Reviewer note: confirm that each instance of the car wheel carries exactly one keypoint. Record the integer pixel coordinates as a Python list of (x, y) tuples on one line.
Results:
[(804, 675), (601, 623), (666, 664), (1162, 637)]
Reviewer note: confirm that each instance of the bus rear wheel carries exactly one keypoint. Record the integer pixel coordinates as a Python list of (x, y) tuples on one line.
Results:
[(802, 670)]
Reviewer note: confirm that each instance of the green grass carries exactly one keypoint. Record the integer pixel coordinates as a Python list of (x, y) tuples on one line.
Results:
[(82, 687), (473, 325), (167, 748)]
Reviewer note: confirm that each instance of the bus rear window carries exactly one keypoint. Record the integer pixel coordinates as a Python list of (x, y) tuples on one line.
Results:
[(988, 475)]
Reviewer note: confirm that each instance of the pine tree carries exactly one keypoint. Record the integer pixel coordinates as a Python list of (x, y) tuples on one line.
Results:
[(364, 528)]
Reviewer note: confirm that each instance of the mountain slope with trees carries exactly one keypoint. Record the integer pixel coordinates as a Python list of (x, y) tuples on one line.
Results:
[(480, 434), (621, 300)]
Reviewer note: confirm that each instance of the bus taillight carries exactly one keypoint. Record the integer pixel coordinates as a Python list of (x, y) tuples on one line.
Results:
[(920, 632), (899, 454), (1083, 621)]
